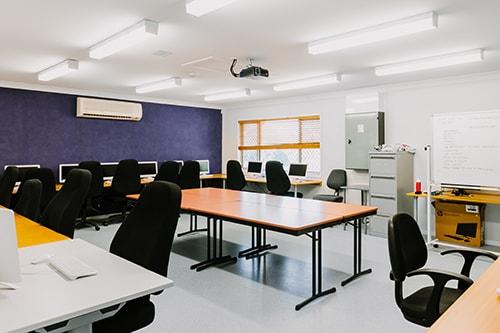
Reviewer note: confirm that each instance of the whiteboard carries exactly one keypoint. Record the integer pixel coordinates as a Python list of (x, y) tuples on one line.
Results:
[(466, 149)]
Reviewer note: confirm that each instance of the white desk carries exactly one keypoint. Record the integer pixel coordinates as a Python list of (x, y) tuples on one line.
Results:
[(46, 298)]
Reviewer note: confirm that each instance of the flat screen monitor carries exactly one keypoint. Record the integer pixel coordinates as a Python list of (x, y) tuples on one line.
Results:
[(254, 167), (109, 169), (204, 167), (148, 169), (466, 229), (23, 169), (64, 169), (298, 170), (10, 271)]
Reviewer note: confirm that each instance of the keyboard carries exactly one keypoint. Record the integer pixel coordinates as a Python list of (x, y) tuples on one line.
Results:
[(72, 268)]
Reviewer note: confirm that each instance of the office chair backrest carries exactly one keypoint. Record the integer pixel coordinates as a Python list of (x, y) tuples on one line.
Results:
[(7, 183), (46, 176), (97, 182), (145, 237), (235, 177), (127, 178), (337, 179), (277, 180), (169, 172), (407, 250), (29, 201), (189, 177), (61, 212)]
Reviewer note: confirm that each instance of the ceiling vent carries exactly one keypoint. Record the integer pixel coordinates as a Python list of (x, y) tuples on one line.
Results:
[(207, 64), (107, 109)]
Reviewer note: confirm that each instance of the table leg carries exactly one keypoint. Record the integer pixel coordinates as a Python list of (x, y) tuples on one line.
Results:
[(193, 226), (259, 245), (295, 191), (415, 208), (317, 277), (357, 254), (214, 247)]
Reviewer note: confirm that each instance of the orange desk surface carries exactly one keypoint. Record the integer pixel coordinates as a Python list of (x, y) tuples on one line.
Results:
[(493, 199), (31, 233), (477, 310)]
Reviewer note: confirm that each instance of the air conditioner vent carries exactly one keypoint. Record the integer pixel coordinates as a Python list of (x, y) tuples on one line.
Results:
[(108, 109)]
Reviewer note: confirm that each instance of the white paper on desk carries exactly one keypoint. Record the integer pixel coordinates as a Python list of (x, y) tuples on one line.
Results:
[(10, 270)]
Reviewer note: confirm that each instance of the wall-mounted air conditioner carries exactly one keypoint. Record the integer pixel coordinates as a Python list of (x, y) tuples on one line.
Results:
[(106, 109)]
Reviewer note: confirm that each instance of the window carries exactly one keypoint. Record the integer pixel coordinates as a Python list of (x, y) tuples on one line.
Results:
[(288, 140)]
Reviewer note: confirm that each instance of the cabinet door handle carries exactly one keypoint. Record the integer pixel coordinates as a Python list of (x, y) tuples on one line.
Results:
[(381, 196)]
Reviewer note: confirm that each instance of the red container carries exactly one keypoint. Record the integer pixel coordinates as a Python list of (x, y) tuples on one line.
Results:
[(418, 187)]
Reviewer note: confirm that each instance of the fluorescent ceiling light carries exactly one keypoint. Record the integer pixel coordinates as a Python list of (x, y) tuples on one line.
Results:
[(202, 7), (228, 95), (309, 82), (128, 37), (159, 85), (58, 70), (385, 31), (430, 62)]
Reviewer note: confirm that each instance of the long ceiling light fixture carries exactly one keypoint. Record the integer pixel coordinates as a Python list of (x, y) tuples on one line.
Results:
[(61, 69), (309, 82), (202, 7), (228, 95), (431, 62), (124, 39), (384, 31), (159, 85)]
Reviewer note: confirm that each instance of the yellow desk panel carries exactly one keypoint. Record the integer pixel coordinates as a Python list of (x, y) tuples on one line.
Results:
[(30, 233)]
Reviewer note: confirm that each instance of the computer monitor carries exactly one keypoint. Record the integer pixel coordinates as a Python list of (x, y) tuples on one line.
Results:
[(204, 167), (109, 169), (298, 170), (22, 171), (254, 167), (64, 169), (10, 271), (467, 229), (148, 169)]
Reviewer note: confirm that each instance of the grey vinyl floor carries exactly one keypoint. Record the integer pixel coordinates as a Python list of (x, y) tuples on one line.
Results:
[(259, 295)]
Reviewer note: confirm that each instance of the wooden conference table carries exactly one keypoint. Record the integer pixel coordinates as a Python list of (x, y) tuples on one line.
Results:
[(46, 302), (477, 310), (286, 215)]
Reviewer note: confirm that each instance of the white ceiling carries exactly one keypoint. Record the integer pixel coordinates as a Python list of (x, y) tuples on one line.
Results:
[(37, 34)]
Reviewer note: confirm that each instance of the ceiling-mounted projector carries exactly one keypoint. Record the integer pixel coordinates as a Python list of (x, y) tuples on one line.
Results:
[(251, 71)]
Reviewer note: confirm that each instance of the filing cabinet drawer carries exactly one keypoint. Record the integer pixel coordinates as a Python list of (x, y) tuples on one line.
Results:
[(383, 165), (383, 186), (386, 206)]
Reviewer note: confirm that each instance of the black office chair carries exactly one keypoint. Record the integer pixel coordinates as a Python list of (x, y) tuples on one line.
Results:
[(28, 204), (335, 181), (277, 180), (235, 178), (95, 192), (46, 176), (408, 254), (145, 238), (7, 184), (189, 176), (62, 211), (169, 172), (127, 180)]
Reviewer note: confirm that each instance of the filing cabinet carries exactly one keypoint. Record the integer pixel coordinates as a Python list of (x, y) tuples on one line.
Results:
[(390, 178)]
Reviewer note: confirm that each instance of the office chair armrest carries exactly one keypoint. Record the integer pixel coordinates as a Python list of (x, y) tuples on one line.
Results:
[(440, 278), (469, 256)]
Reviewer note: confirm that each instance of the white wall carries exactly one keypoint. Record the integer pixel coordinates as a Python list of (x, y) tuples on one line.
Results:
[(408, 111)]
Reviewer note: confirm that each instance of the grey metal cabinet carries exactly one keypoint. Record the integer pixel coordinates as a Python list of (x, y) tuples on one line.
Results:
[(390, 178), (363, 132)]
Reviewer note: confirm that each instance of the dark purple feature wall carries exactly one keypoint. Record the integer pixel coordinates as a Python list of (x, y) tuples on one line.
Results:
[(42, 128)]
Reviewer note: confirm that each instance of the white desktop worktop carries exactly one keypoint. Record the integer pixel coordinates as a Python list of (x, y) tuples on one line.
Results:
[(45, 297)]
